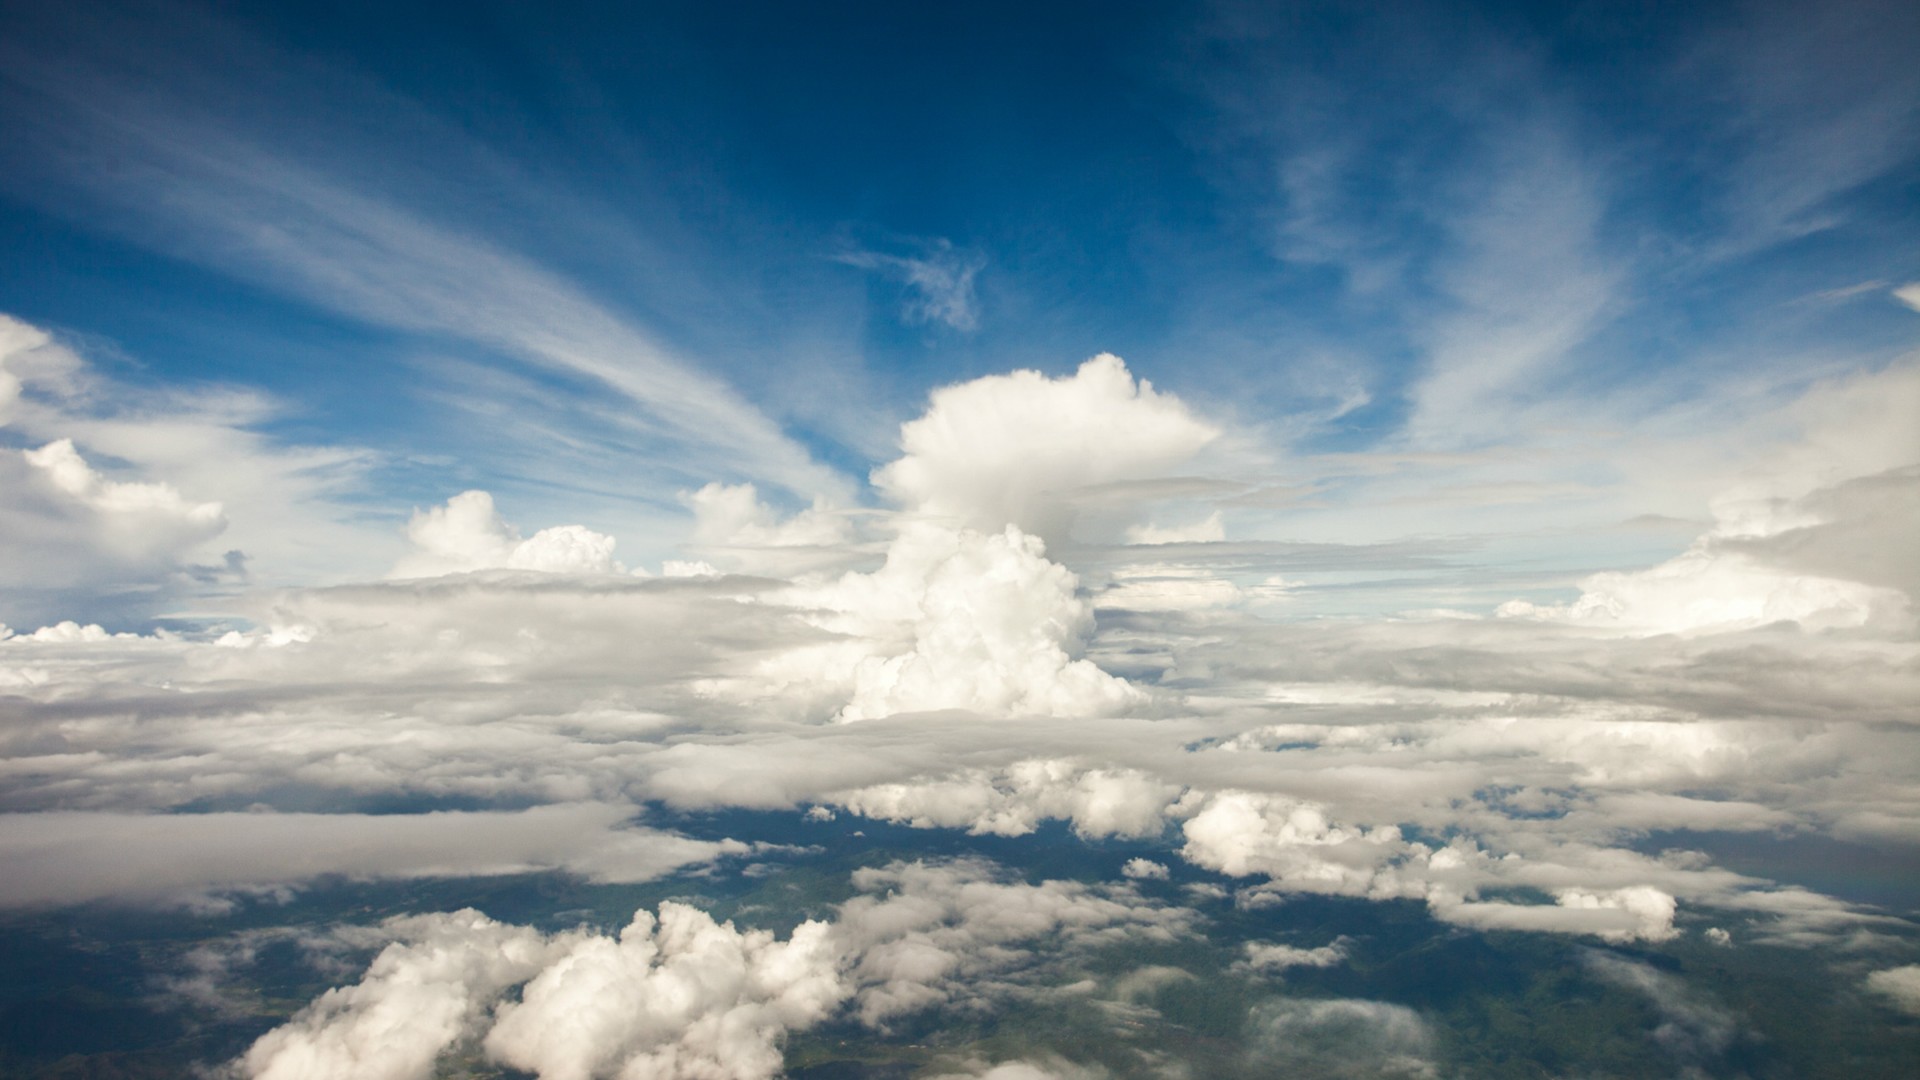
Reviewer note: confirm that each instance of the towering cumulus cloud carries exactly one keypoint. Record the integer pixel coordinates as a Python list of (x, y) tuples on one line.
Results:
[(968, 612)]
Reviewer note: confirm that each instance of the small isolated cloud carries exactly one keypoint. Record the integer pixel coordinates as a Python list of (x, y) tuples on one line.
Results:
[(1909, 294), (938, 278), (1900, 986), (1145, 870), (1266, 959), (1343, 1037)]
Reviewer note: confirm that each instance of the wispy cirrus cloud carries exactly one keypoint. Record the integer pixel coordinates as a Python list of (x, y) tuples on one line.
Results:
[(181, 177), (937, 279)]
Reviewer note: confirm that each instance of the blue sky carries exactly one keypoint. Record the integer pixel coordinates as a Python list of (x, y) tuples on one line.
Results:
[(590, 260)]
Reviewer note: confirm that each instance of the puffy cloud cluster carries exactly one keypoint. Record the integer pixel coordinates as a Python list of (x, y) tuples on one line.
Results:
[(990, 623), (1241, 833), (66, 523), (674, 996), (1014, 801), (1299, 849), (1017, 449), (1324, 746), (679, 996), (467, 534), (732, 526), (422, 993)]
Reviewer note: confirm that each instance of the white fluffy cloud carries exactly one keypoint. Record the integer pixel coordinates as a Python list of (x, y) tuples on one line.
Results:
[(674, 996), (968, 612), (467, 534), (993, 626), (679, 996), (421, 994), (1016, 449), (1014, 801)]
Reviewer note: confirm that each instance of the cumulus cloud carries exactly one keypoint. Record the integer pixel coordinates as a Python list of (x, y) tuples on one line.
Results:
[(1241, 833), (1015, 449), (1014, 801), (678, 996), (993, 626), (968, 612), (467, 534), (421, 994), (135, 515), (940, 930), (67, 524)]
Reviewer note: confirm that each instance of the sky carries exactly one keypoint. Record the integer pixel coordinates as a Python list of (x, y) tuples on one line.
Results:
[(1461, 457)]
